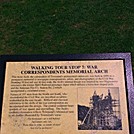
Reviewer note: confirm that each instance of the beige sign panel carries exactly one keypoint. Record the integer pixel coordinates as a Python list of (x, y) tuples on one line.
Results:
[(65, 97)]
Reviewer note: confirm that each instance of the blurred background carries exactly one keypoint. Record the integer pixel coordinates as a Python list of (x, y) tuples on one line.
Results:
[(66, 26)]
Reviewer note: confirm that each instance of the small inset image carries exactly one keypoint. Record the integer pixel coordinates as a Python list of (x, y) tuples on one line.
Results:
[(99, 109)]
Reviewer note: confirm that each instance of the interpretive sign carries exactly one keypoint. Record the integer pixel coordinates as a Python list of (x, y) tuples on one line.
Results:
[(67, 94)]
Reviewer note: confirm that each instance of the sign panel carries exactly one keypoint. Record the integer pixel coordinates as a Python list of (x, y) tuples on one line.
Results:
[(67, 95)]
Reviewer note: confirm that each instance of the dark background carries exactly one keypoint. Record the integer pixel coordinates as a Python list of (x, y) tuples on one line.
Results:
[(66, 26)]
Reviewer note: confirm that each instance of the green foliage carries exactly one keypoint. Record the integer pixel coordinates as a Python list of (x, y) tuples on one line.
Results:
[(66, 26)]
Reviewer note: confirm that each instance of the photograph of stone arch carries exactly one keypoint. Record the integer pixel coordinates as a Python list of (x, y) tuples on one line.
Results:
[(101, 111)]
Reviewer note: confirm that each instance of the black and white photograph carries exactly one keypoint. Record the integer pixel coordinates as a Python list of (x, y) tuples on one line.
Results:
[(99, 109)]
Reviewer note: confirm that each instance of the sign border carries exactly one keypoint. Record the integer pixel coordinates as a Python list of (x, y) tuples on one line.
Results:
[(126, 57)]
